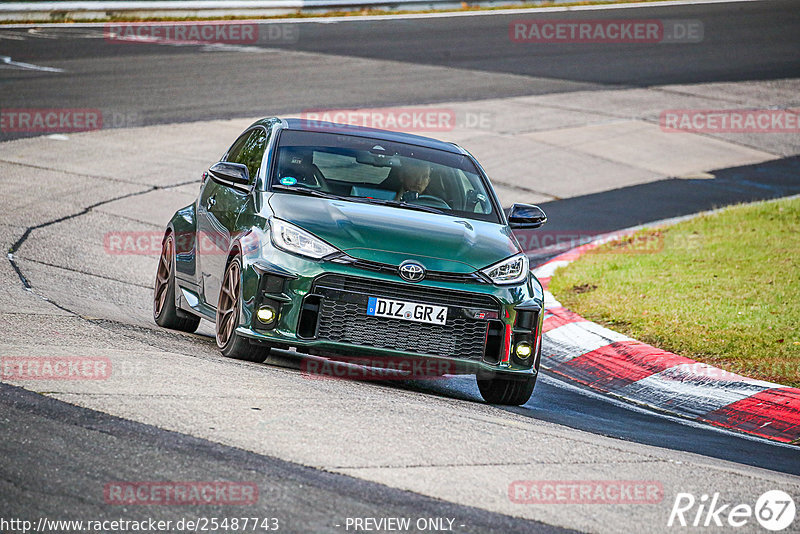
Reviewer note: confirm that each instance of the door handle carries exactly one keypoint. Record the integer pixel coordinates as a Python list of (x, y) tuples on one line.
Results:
[(210, 202)]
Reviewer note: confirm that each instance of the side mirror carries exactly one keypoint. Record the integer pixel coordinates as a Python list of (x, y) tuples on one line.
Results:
[(230, 173), (526, 216)]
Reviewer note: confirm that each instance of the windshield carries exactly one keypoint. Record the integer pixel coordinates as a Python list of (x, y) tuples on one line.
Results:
[(382, 172)]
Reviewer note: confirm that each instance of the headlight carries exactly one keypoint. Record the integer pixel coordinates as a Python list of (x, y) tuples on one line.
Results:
[(290, 238), (509, 271)]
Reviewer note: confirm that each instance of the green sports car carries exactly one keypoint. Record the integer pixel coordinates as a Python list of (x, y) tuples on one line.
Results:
[(342, 242)]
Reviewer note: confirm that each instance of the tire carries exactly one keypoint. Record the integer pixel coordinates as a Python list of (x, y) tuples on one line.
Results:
[(231, 344), (509, 391), (165, 313)]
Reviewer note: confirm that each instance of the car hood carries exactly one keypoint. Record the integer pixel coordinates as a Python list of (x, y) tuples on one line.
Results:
[(392, 235)]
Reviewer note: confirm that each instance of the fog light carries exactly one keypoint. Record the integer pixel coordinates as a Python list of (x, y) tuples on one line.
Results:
[(523, 350), (266, 314)]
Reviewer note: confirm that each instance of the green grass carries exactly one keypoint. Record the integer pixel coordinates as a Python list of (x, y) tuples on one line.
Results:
[(121, 17), (722, 288)]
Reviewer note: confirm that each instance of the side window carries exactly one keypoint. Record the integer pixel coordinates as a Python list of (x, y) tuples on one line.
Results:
[(475, 200), (248, 150)]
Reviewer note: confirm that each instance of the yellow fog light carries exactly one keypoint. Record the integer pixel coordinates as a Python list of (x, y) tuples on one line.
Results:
[(266, 314), (523, 350)]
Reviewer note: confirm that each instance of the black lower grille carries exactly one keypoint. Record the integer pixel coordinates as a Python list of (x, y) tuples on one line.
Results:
[(406, 291), (342, 318)]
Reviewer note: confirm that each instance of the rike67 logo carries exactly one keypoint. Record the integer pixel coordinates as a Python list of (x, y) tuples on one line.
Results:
[(774, 510)]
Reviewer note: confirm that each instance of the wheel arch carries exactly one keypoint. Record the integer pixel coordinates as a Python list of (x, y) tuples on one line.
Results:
[(246, 247), (183, 227)]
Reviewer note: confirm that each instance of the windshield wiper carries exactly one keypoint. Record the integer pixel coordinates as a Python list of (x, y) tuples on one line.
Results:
[(307, 191), (401, 204), (365, 200)]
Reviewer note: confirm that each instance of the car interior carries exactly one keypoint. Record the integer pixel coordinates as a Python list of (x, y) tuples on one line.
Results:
[(355, 174)]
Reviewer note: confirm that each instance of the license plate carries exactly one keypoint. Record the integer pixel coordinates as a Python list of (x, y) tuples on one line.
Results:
[(407, 311)]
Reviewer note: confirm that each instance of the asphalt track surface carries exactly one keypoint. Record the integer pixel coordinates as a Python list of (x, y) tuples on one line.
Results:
[(101, 445), (388, 62), (163, 84)]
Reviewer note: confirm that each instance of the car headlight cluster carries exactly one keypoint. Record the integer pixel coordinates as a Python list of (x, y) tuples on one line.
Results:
[(290, 238), (512, 270)]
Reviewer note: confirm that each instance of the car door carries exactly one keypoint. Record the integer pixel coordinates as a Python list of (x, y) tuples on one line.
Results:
[(218, 208)]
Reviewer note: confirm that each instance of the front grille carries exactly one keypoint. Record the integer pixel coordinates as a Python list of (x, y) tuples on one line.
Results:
[(343, 319), (438, 276)]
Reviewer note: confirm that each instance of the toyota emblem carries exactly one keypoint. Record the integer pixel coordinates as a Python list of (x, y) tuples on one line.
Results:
[(411, 271)]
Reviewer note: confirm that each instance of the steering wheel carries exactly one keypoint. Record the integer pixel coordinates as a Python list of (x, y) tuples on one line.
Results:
[(432, 202)]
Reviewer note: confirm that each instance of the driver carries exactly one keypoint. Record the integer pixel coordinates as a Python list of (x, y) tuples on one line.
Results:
[(415, 175)]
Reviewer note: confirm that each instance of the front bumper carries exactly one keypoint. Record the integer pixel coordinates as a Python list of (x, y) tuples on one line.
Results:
[(321, 308)]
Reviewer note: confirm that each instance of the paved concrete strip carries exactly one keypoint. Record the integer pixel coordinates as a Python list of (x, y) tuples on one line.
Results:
[(547, 147), (648, 104), (645, 146)]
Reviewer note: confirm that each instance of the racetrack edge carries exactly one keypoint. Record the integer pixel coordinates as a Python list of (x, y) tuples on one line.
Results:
[(592, 355)]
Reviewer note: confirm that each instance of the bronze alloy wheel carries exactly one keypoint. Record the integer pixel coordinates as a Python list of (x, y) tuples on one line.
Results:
[(229, 342), (165, 311), (163, 275), (228, 306)]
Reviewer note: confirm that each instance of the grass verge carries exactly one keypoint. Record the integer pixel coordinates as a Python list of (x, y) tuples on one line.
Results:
[(722, 288)]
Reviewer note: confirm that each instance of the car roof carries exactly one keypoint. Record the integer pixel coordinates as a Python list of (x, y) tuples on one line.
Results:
[(307, 125)]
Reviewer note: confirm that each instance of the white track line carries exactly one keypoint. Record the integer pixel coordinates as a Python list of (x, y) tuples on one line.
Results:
[(6, 60)]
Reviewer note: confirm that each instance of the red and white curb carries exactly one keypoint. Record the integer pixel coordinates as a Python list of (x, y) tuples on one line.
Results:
[(607, 361)]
